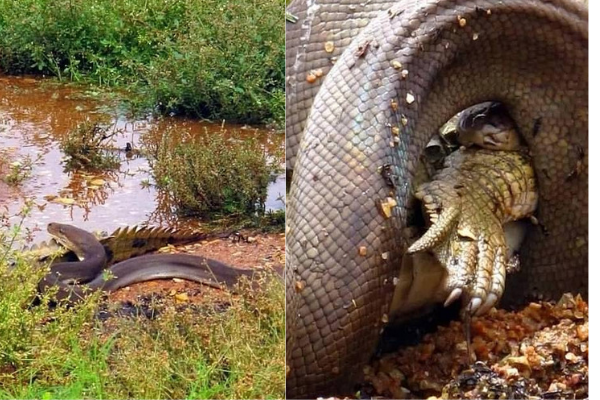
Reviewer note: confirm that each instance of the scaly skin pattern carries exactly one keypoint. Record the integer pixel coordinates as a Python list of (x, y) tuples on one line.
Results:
[(467, 203), (123, 243), (402, 77), (89, 272), (489, 126), (305, 52), (128, 242)]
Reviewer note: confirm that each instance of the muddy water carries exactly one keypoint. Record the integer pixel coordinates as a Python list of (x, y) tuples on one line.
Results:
[(35, 115)]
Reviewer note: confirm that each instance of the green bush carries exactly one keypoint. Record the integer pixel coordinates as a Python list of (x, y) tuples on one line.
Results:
[(207, 58), (209, 175)]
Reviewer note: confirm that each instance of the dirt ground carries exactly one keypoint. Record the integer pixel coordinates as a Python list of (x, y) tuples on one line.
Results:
[(254, 251)]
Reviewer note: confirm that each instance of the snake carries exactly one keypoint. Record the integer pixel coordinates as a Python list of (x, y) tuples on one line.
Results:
[(368, 84), (75, 280)]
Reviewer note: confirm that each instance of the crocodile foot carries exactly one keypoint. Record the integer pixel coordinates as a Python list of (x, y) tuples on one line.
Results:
[(467, 209)]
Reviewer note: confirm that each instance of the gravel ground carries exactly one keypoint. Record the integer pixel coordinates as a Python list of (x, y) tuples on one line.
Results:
[(540, 351)]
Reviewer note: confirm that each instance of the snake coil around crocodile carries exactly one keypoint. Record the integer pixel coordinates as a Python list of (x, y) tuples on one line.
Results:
[(75, 280), (369, 83)]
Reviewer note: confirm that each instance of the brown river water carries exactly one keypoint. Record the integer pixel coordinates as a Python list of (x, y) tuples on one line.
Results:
[(36, 114)]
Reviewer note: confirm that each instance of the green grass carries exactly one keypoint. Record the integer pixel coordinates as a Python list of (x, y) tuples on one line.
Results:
[(209, 58), (197, 352), (16, 171)]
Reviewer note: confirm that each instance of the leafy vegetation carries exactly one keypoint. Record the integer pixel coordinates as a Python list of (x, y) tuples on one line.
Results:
[(210, 175), (206, 58), (235, 351)]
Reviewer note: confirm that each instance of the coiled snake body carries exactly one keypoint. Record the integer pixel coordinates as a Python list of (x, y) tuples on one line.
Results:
[(90, 270), (379, 95)]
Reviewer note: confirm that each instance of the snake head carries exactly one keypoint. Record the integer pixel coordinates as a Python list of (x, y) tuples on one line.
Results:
[(58, 231), (489, 126), (70, 237)]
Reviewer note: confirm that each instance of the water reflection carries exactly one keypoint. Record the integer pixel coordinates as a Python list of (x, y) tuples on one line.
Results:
[(36, 115)]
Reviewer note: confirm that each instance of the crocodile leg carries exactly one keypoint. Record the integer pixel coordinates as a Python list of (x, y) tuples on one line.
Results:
[(481, 190)]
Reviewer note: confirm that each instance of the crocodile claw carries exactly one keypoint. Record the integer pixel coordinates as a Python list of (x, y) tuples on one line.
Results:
[(472, 248), (489, 303), (455, 295), (467, 209), (474, 305)]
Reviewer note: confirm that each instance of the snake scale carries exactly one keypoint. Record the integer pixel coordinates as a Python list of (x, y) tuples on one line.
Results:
[(384, 77)]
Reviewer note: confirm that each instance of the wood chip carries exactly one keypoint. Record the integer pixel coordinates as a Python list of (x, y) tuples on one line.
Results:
[(182, 297)]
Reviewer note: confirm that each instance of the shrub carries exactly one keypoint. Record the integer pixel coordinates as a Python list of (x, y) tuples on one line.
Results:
[(210, 175)]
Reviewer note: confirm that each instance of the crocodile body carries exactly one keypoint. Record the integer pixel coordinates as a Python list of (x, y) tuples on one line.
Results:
[(478, 204), (122, 244), (384, 77)]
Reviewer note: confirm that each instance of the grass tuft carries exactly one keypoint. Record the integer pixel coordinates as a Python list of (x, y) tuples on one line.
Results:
[(17, 171), (210, 175), (85, 148)]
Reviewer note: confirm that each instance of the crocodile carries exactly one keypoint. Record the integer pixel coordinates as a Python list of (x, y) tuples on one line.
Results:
[(368, 85), (499, 180), (122, 244)]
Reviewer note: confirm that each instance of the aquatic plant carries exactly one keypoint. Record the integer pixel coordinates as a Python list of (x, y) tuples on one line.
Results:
[(85, 147), (15, 172)]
